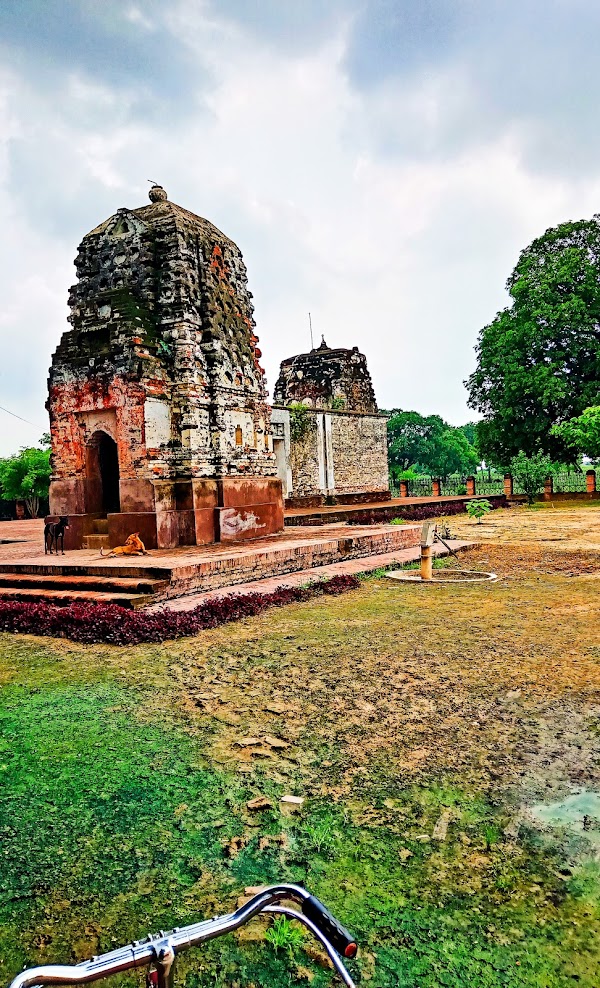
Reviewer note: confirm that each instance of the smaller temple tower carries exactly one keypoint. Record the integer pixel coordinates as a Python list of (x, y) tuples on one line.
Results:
[(158, 408), (326, 378), (330, 439)]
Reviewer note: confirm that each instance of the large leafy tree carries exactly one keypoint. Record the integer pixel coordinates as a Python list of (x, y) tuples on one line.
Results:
[(428, 444), (582, 434), (538, 362), (26, 477)]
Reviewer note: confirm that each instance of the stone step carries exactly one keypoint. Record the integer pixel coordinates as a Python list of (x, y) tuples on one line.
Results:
[(103, 584), (205, 568), (101, 526), (66, 566), (62, 598), (96, 541)]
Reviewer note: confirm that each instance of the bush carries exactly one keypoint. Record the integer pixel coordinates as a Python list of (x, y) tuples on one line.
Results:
[(530, 472), (112, 624), (478, 508)]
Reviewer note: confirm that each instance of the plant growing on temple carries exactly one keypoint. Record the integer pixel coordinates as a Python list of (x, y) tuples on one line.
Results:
[(478, 508), (26, 477), (582, 433), (538, 362), (530, 472), (299, 421)]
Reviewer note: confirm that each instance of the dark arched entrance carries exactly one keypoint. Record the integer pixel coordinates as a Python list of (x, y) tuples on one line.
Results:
[(103, 474), (108, 457)]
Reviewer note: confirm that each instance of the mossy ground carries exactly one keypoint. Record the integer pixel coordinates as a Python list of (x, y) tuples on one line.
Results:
[(395, 712)]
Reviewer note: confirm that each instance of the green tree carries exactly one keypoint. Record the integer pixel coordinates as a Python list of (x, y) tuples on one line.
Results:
[(26, 477), (428, 444), (452, 453), (582, 433), (538, 362), (530, 472), (470, 431), (410, 438)]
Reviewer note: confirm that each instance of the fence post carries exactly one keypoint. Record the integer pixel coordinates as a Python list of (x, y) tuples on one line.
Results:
[(436, 487), (471, 487), (404, 488), (508, 485), (590, 481), (548, 488)]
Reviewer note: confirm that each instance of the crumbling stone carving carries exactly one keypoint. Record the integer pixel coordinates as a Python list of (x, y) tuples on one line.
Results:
[(342, 448), (157, 400), (325, 378)]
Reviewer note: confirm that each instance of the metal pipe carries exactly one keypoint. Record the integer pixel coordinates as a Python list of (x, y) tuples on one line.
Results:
[(426, 562)]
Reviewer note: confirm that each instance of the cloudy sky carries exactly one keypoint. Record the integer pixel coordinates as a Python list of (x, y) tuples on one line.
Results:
[(379, 162)]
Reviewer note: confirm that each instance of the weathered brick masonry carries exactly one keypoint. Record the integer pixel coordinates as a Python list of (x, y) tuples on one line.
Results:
[(157, 402), (326, 415)]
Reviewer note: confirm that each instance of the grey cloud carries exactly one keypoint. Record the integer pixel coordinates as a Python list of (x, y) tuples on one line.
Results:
[(293, 26), (399, 37), (50, 38), (531, 68), (39, 165)]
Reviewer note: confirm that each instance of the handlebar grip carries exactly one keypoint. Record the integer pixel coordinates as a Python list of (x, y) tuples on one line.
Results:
[(338, 936)]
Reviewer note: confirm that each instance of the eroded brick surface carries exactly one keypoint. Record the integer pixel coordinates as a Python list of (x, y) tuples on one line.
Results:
[(337, 439), (162, 360)]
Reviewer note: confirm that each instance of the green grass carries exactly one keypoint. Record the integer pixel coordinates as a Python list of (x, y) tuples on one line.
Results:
[(114, 821)]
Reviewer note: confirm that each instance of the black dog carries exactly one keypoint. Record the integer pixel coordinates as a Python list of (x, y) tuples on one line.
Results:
[(53, 531)]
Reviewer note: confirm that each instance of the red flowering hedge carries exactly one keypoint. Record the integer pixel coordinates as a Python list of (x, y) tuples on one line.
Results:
[(420, 512), (110, 623)]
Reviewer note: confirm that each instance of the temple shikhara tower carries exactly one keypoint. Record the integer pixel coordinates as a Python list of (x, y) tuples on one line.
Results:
[(330, 438), (157, 402)]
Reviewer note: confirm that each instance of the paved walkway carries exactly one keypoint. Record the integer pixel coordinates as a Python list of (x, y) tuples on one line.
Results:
[(26, 530), (350, 567)]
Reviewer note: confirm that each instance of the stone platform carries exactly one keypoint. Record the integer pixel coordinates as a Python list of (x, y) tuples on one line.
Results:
[(83, 575), (328, 514)]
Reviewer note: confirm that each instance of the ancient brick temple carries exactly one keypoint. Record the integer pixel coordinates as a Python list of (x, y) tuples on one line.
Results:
[(330, 440), (157, 401)]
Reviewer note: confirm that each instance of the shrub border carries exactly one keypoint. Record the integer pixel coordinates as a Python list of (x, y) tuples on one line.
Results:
[(90, 623)]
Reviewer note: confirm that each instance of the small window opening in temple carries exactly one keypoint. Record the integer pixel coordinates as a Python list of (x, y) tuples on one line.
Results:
[(239, 380), (238, 435)]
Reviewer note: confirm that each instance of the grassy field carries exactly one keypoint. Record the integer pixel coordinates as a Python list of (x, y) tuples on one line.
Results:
[(422, 725)]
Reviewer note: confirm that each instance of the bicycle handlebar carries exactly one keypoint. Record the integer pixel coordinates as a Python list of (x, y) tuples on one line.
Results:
[(161, 949)]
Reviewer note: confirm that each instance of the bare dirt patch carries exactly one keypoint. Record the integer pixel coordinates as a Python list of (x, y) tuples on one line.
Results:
[(495, 684), (575, 525)]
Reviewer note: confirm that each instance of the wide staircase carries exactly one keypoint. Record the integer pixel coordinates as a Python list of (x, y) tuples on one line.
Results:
[(63, 588), (85, 576), (98, 539)]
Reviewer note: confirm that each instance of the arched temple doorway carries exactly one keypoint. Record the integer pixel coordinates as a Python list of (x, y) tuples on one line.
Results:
[(102, 467)]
